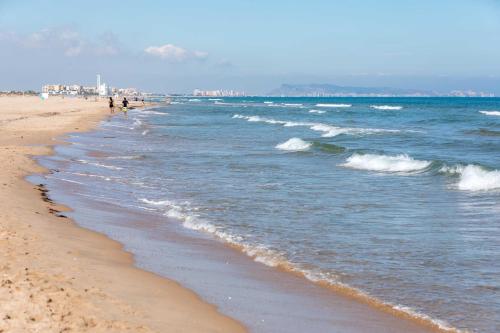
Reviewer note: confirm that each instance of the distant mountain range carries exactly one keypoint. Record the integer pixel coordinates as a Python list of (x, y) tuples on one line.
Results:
[(332, 90)]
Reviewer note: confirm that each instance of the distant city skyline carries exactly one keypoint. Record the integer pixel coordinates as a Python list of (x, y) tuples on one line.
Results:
[(173, 47)]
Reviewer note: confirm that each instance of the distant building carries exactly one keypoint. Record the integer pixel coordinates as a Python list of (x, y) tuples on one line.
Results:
[(59, 89), (100, 89)]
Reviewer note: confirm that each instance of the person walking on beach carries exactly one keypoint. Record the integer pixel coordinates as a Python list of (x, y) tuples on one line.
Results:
[(124, 105), (111, 105)]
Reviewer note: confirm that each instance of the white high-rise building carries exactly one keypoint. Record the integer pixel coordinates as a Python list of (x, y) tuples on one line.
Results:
[(103, 90), (98, 86)]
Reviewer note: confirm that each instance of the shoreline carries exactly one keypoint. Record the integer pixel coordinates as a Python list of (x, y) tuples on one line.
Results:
[(126, 258), (58, 275), (422, 321)]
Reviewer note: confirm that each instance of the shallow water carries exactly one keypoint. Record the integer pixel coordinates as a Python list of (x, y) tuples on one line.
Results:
[(396, 198)]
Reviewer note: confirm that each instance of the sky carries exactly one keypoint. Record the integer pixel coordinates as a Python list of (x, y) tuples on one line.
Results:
[(251, 45)]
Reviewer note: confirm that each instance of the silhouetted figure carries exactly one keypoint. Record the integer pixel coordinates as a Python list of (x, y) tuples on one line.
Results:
[(111, 105), (125, 105)]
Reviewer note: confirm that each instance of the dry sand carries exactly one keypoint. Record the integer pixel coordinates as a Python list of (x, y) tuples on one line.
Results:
[(58, 277)]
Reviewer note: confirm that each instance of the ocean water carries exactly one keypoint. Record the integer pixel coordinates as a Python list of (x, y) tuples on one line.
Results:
[(395, 201)]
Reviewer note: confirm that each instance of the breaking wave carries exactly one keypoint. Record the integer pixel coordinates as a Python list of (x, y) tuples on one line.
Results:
[(334, 105), (317, 111), (474, 177), (386, 107), (327, 130), (491, 113), (385, 163), (330, 131), (294, 144)]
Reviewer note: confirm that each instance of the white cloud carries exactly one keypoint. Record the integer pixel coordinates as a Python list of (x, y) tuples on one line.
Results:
[(64, 41), (175, 53)]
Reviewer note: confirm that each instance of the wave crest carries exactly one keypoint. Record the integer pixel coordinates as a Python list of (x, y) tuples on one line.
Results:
[(294, 144), (491, 113), (385, 163), (386, 107), (474, 178), (327, 130), (334, 105)]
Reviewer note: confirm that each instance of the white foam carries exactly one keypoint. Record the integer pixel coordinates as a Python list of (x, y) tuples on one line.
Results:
[(137, 124), (330, 131), (157, 202), (215, 99), (91, 175), (385, 163), (71, 181), (475, 178), (100, 165), (443, 325), (268, 102), (271, 257), (491, 113), (317, 111), (327, 130), (270, 121), (154, 112), (334, 105), (126, 157), (294, 144), (386, 107), (292, 104)]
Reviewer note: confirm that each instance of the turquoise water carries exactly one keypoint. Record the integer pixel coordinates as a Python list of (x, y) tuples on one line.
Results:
[(397, 199)]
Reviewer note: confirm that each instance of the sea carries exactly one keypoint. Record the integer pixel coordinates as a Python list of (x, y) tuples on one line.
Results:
[(271, 208)]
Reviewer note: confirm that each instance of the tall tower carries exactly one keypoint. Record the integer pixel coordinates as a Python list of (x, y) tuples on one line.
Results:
[(98, 82)]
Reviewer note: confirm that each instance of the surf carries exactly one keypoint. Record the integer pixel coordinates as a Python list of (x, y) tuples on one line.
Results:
[(386, 107), (325, 105), (474, 178), (294, 144), (386, 163)]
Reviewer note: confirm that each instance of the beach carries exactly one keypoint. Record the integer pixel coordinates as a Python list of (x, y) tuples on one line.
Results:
[(58, 277), (246, 214)]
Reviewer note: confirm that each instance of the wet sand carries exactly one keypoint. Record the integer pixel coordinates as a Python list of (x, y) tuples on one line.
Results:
[(58, 277)]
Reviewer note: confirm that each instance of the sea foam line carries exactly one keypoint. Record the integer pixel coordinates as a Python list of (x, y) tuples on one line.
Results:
[(327, 131), (100, 165), (385, 163), (274, 258), (334, 105), (491, 113), (386, 107)]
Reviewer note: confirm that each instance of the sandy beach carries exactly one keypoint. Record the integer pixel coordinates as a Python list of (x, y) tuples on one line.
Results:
[(58, 277)]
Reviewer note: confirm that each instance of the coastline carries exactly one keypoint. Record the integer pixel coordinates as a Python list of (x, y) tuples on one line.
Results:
[(348, 302), (59, 276)]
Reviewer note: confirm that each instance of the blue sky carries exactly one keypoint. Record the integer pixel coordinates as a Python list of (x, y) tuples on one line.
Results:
[(173, 46)]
